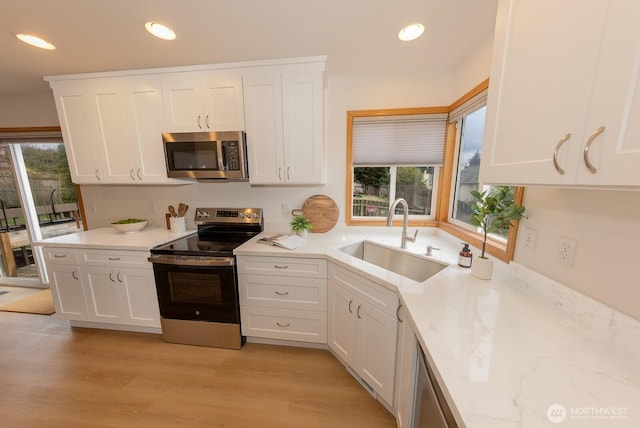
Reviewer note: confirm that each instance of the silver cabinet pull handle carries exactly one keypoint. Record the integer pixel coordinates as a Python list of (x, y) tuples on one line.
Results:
[(131, 174), (280, 173), (199, 125), (111, 277), (282, 294), (283, 325), (555, 152), (206, 121), (60, 256), (350, 302), (74, 274), (118, 277), (114, 258), (288, 173), (281, 267), (398, 313), (97, 173), (138, 174), (592, 169), (358, 312)]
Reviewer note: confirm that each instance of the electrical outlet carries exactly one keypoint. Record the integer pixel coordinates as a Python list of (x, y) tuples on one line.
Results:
[(529, 238), (567, 251)]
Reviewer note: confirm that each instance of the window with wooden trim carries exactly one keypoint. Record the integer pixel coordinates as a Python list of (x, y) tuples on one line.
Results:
[(443, 175), (394, 153)]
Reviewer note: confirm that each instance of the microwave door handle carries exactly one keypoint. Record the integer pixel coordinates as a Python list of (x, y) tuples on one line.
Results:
[(222, 158)]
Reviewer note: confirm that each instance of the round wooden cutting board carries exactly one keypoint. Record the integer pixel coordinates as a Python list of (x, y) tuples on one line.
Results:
[(322, 212)]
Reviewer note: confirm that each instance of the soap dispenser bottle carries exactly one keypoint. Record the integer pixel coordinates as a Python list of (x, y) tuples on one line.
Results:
[(465, 256)]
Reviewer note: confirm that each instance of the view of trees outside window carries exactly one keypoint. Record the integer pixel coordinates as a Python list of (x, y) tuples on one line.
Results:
[(374, 189), (468, 168)]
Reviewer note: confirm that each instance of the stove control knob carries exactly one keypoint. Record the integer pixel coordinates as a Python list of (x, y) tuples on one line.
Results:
[(241, 215)]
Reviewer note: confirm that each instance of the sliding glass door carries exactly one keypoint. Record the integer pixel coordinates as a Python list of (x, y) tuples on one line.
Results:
[(37, 200)]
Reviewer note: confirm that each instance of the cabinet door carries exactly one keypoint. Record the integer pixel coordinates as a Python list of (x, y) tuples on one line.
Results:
[(223, 104), (145, 103), (103, 294), (615, 103), (115, 134), (183, 104), (342, 323), (544, 61), (303, 127), (140, 300), (263, 116), (66, 288), (376, 349), (77, 122)]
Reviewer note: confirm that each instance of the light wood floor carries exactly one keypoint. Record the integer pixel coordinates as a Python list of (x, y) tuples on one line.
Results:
[(54, 376)]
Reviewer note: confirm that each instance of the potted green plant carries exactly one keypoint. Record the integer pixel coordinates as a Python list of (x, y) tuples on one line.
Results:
[(300, 225), (493, 211)]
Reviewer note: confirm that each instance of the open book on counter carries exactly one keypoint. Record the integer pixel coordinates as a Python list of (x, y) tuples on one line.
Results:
[(289, 242)]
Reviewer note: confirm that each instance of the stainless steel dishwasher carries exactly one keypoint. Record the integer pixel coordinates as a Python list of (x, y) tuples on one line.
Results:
[(430, 408)]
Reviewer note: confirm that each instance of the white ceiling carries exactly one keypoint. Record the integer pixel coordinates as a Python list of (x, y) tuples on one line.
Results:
[(358, 36)]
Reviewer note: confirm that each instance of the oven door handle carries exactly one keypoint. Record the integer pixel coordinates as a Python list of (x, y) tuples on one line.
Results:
[(218, 261)]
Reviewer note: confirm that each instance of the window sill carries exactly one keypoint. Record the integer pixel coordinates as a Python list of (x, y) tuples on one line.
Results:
[(494, 248)]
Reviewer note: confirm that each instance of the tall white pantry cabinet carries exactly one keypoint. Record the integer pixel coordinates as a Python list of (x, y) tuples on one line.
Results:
[(564, 99)]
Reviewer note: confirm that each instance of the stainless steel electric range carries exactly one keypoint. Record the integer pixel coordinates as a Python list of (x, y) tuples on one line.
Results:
[(197, 282)]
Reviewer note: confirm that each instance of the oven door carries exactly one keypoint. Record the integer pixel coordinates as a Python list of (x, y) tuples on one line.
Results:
[(201, 293)]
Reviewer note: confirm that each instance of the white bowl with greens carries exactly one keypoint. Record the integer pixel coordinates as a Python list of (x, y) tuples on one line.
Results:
[(129, 225)]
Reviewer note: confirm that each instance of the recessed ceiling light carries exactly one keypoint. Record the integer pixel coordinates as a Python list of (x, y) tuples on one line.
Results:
[(411, 32), (35, 41), (160, 31)]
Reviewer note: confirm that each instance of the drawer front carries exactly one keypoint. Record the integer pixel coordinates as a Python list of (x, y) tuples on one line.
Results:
[(283, 292), (62, 256), (115, 258), (374, 294), (284, 324), (283, 266)]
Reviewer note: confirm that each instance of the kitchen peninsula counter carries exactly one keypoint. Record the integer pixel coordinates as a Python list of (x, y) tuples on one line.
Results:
[(520, 350), (109, 238)]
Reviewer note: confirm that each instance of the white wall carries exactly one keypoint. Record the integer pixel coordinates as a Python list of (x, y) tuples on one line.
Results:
[(28, 111)]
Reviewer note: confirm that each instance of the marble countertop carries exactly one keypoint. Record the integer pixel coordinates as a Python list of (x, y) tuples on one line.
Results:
[(109, 238), (520, 350)]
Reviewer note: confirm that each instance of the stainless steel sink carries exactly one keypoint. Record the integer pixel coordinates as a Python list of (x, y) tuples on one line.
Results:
[(412, 266)]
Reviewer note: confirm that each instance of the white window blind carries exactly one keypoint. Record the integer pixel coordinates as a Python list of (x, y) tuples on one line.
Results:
[(402, 140), (473, 104)]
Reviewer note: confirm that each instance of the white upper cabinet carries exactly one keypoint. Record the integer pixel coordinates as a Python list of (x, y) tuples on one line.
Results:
[(78, 123), (563, 105), (112, 123), (203, 102), (112, 129), (284, 118)]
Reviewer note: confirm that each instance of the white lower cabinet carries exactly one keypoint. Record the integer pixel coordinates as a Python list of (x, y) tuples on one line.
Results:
[(65, 283), (104, 286), (405, 371), (283, 298), (362, 328)]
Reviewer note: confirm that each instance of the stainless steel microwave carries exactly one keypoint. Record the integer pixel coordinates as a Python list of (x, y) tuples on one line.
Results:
[(206, 155)]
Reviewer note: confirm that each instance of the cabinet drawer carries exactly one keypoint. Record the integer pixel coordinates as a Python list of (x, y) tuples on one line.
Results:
[(374, 294), (115, 258), (62, 256), (283, 266), (283, 292), (284, 324)]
